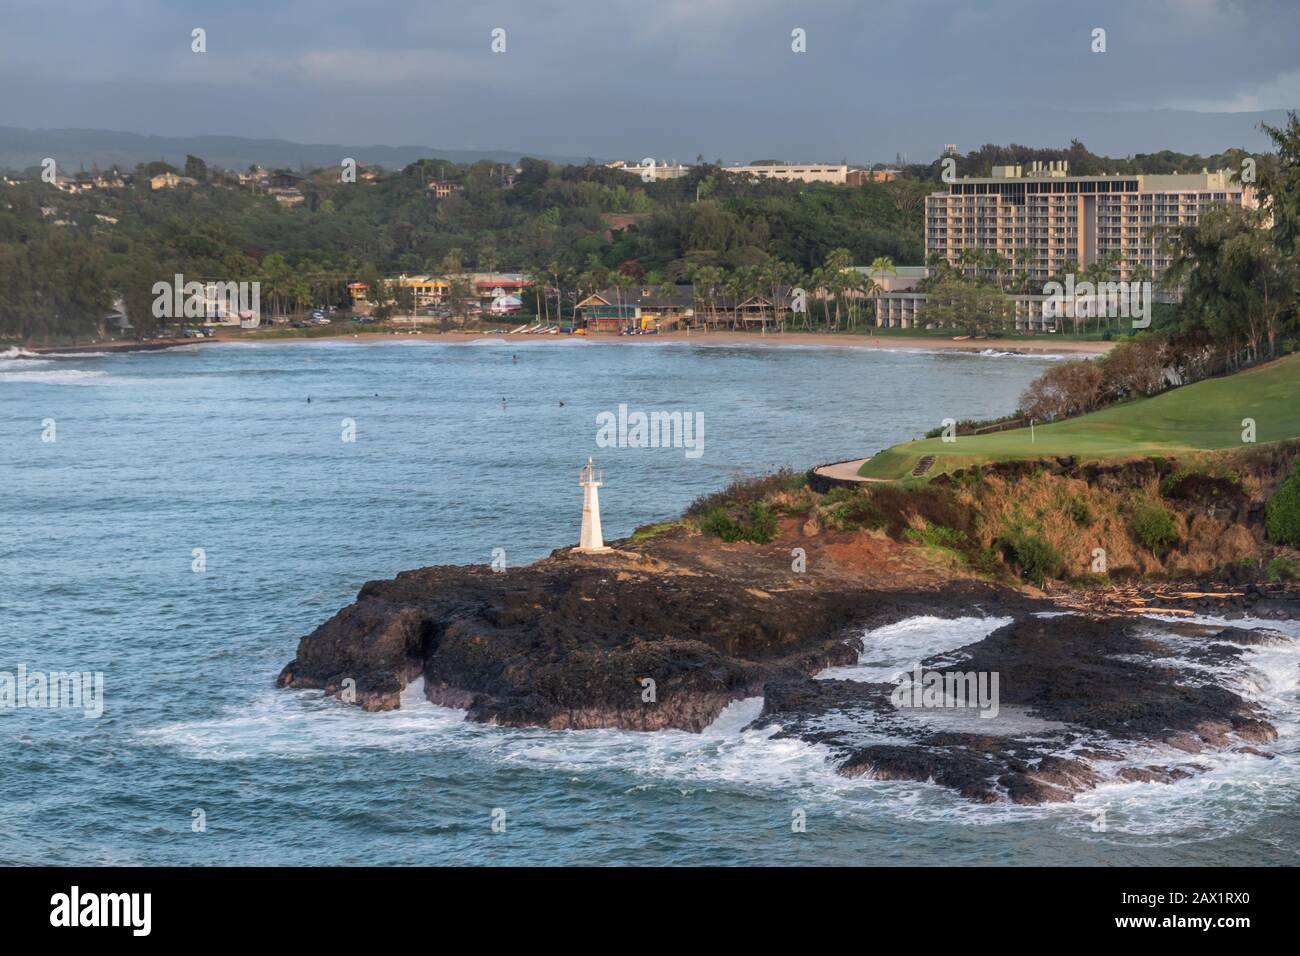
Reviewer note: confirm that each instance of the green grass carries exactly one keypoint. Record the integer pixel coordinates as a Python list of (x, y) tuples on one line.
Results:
[(1200, 417), (647, 531)]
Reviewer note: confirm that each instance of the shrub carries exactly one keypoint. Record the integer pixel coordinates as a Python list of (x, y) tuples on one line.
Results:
[(1034, 555), (1070, 388), (848, 509), (1283, 569), (936, 536), (756, 524), (1080, 512), (1282, 517), (1170, 482), (985, 560), (1155, 527), (748, 490), (902, 507)]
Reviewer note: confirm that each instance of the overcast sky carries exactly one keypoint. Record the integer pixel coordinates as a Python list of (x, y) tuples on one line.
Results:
[(663, 78)]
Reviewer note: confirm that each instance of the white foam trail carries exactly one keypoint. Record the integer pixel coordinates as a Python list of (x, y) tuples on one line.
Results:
[(897, 648)]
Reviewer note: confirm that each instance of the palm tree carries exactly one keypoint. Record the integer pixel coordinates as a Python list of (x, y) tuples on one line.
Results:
[(817, 286), (880, 266), (969, 258), (999, 264), (1024, 263), (773, 275), (539, 281), (835, 276), (553, 272), (864, 286)]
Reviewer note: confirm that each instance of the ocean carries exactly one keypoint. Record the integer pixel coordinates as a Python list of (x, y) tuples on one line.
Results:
[(177, 520)]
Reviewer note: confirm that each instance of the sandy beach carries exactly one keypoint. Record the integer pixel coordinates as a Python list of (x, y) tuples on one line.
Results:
[(1041, 345), (1044, 345)]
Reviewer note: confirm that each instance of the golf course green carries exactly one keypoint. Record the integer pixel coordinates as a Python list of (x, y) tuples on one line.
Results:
[(1204, 416)]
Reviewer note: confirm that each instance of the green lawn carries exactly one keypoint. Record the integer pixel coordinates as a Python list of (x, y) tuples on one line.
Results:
[(1199, 417)]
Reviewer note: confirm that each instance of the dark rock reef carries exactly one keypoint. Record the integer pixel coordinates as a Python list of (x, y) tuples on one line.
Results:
[(569, 642), (665, 633), (1075, 694)]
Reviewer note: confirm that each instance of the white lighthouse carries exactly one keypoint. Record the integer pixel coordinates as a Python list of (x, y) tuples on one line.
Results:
[(591, 482)]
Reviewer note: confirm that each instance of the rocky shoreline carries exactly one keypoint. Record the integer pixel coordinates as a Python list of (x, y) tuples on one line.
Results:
[(568, 642), (666, 632), (1077, 694)]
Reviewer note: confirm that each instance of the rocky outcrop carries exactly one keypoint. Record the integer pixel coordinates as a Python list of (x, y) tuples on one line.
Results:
[(1076, 694), (578, 642)]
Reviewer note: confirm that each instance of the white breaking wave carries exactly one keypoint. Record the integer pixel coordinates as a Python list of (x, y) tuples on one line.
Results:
[(1230, 791), (307, 724), (63, 376), (896, 648)]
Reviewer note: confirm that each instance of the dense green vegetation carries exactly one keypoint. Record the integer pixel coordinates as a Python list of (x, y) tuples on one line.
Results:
[(66, 256), (1282, 519), (62, 261)]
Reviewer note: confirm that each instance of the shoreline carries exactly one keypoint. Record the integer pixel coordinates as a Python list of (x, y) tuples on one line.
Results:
[(773, 340)]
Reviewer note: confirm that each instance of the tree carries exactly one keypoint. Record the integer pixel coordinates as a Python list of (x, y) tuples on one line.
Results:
[(1023, 261), (1070, 388), (1239, 289), (881, 266), (378, 293), (999, 264), (1279, 184), (957, 303)]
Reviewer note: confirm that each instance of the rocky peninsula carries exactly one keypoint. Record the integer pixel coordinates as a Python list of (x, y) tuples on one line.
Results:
[(668, 627)]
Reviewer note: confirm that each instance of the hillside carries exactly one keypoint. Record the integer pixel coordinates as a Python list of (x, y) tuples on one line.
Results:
[(1205, 416)]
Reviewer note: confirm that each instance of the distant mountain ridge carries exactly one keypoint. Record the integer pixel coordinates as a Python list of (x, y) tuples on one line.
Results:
[(909, 135), (74, 148)]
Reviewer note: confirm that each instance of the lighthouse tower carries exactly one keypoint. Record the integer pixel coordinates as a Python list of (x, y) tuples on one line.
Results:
[(591, 538)]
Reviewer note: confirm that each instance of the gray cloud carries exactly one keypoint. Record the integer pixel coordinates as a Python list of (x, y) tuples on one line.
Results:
[(672, 78)]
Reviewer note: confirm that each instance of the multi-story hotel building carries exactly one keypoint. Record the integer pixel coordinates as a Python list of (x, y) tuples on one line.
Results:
[(1069, 222)]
